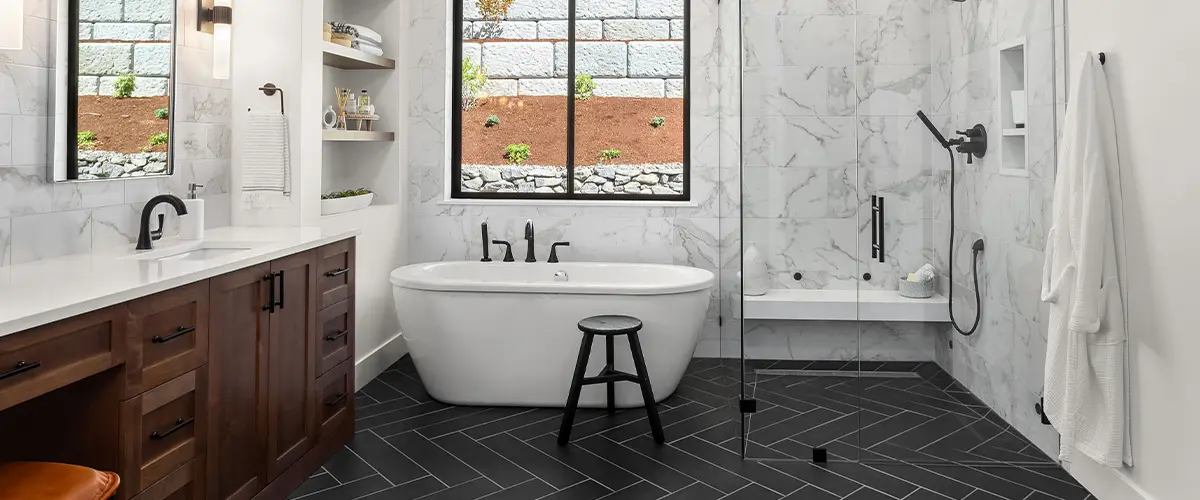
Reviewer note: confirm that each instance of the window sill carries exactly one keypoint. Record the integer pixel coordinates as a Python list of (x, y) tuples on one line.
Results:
[(572, 203)]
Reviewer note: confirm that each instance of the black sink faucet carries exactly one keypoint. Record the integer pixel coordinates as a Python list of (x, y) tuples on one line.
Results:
[(529, 240), (145, 236)]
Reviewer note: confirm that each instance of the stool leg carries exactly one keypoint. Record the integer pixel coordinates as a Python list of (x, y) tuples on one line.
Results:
[(639, 362), (585, 350), (612, 386)]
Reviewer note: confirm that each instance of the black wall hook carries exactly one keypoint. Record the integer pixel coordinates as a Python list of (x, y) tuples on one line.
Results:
[(269, 90), (1103, 58)]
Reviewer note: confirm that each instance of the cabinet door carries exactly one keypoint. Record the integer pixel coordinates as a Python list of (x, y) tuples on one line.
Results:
[(237, 389), (291, 379)]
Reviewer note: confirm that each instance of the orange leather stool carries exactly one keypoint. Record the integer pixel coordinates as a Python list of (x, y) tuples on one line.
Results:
[(51, 481)]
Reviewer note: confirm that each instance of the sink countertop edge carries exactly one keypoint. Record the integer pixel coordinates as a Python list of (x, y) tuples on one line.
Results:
[(111, 283)]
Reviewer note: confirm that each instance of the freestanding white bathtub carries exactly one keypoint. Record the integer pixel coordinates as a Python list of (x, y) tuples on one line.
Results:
[(505, 333)]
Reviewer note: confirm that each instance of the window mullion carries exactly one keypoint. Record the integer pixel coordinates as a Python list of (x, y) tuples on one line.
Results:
[(571, 98)]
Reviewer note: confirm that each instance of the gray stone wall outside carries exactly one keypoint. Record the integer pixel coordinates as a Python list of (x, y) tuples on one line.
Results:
[(666, 179), (136, 34), (632, 48)]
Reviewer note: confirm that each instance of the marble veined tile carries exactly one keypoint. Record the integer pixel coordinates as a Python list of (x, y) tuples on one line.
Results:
[(797, 40)]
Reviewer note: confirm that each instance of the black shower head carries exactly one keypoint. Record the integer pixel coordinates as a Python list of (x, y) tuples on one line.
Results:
[(936, 134)]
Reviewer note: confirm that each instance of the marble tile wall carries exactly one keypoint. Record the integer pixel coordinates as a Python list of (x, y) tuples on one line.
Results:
[(1003, 362), (40, 219), (687, 235)]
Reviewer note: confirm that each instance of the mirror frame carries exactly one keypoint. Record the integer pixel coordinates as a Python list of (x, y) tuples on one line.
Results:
[(64, 125)]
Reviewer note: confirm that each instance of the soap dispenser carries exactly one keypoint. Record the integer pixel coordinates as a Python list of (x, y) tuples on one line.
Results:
[(192, 224)]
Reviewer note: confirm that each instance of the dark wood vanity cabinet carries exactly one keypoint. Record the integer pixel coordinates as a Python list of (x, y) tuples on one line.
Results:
[(235, 387)]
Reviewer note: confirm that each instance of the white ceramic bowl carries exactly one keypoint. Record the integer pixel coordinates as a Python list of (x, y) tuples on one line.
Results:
[(339, 205)]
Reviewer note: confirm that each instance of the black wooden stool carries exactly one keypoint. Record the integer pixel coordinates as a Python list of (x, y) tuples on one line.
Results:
[(609, 327)]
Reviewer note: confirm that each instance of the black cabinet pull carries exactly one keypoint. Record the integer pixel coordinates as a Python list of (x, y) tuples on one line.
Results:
[(336, 400), (21, 367), (179, 424), (877, 226), (179, 332), (270, 279), (338, 335), (337, 272), (280, 303)]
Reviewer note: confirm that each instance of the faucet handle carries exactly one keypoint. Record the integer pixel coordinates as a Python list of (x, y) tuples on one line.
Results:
[(508, 256), (554, 250), (157, 234)]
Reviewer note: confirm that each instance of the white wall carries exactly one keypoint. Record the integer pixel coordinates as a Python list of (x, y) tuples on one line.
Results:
[(1151, 66)]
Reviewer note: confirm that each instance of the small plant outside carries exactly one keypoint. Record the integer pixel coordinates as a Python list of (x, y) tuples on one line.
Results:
[(492, 121), (584, 86), (333, 195), (609, 155), (162, 113), (658, 121), (158, 139), (517, 154), (86, 139), (124, 85), (474, 78)]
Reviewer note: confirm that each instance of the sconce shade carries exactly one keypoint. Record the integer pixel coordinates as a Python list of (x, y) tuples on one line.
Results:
[(222, 17)]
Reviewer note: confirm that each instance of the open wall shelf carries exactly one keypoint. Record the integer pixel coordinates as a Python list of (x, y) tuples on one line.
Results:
[(338, 56), (357, 136)]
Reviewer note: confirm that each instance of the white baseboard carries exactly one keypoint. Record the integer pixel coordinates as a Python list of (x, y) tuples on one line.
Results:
[(1104, 483), (375, 362)]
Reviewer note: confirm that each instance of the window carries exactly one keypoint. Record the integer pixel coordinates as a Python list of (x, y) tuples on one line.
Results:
[(570, 99)]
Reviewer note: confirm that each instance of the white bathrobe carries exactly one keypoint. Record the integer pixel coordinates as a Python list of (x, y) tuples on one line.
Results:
[(1086, 391)]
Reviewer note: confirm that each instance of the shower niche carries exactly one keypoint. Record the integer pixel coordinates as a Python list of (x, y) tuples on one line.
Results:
[(1014, 108)]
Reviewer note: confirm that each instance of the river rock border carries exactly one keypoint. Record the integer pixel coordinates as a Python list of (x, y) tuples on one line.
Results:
[(107, 164), (645, 179)]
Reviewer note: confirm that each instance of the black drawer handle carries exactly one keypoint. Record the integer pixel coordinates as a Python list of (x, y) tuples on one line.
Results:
[(338, 335), (336, 400), (20, 368), (179, 424), (179, 332), (337, 272)]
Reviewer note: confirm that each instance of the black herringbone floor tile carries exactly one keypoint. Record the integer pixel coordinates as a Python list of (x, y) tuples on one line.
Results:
[(410, 447)]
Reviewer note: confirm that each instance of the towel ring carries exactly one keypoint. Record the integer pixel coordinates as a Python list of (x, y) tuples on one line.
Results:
[(269, 89)]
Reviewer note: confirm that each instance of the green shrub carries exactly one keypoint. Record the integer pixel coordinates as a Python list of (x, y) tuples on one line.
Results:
[(332, 195), (609, 155), (658, 121), (584, 86), (123, 86), (85, 139), (474, 78), (517, 153), (493, 10), (158, 139), (492, 121), (162, 113)]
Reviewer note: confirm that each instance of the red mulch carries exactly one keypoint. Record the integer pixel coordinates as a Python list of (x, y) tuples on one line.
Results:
[(123, 125), (601, 123)]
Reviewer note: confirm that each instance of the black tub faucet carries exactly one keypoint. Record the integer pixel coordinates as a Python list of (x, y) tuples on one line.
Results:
[(554, 250), (145, 235), (529, 257), (507, 249)]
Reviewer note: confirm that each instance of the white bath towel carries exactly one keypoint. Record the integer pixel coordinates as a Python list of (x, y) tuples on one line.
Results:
[(366, 33), (266, 161), (1086, 387)]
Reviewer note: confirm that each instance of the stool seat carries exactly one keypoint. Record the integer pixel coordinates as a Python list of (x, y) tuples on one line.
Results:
[(610, 325), (53, 481)]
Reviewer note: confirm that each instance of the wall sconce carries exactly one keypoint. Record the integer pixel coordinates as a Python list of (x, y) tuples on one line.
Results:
[(216, 17), (12, 19)]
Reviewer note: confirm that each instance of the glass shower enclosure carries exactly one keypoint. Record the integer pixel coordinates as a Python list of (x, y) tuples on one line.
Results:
[(843, 196)]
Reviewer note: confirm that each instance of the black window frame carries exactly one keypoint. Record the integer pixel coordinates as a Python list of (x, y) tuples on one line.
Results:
[(456, 135)]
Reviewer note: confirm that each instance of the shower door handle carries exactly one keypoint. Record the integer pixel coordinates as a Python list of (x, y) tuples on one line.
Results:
[(877, 225)]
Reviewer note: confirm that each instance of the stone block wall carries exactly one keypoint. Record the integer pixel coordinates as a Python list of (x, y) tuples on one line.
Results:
[(631, 48), (118, 37)]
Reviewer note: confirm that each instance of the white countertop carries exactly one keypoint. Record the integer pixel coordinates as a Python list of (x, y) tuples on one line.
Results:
[(845, 305), (42, 292)]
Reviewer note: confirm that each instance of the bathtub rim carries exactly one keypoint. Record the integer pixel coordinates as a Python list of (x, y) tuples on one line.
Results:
[(412, 277)]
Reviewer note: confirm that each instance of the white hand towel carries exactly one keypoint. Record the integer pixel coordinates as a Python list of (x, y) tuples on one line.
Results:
[(366, 33), (266, 161), (925, 273)]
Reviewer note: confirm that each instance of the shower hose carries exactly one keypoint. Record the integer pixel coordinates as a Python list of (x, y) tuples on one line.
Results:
[(975, 249)]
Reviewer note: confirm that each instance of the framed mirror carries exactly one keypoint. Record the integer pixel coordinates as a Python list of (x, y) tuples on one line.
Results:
[(114, 89)]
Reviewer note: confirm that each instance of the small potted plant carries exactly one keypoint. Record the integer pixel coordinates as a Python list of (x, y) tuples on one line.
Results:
[(336, 202)]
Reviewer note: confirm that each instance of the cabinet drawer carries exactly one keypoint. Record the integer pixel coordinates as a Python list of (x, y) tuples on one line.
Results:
[(41, 360), (162, 429), (335, 273), (185, 483), (168, 336), (335, 325), (335, 399)]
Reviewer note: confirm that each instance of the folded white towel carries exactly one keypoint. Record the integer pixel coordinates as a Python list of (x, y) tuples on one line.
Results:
[(366, 33), (924, 274), (266, 162), (371, 49)]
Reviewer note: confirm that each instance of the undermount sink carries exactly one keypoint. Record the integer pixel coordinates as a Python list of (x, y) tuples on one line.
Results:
[(199, 251)]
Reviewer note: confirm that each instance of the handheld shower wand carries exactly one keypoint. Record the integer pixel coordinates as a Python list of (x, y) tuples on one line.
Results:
[(980, 140)]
